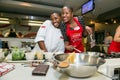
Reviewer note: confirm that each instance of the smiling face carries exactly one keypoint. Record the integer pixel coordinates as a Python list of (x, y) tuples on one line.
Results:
[(67, 14), (56, 19)]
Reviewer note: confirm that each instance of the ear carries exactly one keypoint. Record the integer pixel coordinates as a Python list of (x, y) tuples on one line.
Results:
[(72, 14)]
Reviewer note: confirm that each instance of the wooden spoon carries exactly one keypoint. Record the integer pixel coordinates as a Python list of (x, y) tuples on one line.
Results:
[(63, 64), (66, 62)]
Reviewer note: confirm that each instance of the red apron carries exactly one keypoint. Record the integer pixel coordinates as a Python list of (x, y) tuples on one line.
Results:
[(75, 36), (114, 47)]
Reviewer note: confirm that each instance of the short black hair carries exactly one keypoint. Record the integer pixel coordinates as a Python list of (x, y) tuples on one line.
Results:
[(108, 33), (69, 7), (11, 29), (20, 33), (56, 13)]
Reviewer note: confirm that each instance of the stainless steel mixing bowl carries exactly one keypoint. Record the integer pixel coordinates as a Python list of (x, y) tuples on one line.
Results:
[(84, 65)]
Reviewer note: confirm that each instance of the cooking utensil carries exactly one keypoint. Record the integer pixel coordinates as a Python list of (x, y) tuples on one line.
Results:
[(63, 64), (92, 41), (77, 50), (67, 61), (98, 54), (84, 65)]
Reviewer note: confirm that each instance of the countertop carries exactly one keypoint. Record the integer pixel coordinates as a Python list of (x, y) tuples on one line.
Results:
[(18, 39), (25, 73), (109, 66)]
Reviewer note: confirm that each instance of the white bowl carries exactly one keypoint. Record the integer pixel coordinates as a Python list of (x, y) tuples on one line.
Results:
[(48, 55), (29, 56)]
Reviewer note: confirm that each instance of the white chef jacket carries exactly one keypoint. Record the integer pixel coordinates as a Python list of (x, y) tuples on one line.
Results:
[(51, 36), (108, 40)]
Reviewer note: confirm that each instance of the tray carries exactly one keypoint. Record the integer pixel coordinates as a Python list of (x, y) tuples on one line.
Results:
[(8, 59)]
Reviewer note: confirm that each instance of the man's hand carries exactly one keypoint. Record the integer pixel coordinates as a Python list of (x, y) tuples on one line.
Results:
[(70, 47), (89, 30)]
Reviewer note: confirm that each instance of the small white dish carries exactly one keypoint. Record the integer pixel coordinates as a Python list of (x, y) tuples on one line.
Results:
[(29, 56)]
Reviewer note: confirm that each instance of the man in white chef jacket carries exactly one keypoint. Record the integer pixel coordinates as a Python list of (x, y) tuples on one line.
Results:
[(49, 37)]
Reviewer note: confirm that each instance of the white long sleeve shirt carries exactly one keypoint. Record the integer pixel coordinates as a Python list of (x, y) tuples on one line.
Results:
[(51, 36), (108, 40)]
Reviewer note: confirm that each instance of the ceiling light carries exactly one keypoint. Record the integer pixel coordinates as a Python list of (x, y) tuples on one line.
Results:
[(6, 22), (4, 19), (34, 24), (114, 21), (106, 22), (31, 17), (30, 21), (25, 4), (91, 22)]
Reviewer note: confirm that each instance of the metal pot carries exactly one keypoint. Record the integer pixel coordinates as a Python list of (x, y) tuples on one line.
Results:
[(84, 65)]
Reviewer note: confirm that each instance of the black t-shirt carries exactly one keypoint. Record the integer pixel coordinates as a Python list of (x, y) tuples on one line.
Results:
[(12, 34)]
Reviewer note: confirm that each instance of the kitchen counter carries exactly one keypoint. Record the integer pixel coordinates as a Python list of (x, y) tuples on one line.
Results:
[(11, 42), (109, 67), (25, 73), (103, 47), (17, 39)]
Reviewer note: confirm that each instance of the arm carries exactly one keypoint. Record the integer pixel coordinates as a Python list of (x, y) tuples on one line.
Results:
[(111, 38), (89, 30), (81, 20), (42, 46), (40, 37), (68, 46), (86, 29), (117, 34), (7, 34), (66, 40)]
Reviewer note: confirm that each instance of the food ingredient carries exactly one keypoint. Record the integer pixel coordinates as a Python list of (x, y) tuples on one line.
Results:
[(18, 54)]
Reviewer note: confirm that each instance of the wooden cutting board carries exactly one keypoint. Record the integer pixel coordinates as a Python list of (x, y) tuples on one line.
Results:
[(41, 69)]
